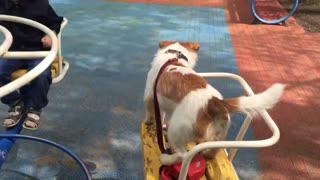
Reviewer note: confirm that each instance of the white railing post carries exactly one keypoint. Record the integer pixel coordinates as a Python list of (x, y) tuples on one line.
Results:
[(241, 134), (63, 68)]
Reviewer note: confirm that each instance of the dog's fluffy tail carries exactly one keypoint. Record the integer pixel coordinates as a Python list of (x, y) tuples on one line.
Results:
[(252, 104)]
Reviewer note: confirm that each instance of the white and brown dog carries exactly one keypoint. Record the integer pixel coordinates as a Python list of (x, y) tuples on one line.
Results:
[(196, 111)]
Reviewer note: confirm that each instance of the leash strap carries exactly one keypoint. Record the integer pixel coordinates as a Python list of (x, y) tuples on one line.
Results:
[(157, 107)]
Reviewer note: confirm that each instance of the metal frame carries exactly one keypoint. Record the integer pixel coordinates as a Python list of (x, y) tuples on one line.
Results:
[(7, 139), (54, 51), (238, 143)]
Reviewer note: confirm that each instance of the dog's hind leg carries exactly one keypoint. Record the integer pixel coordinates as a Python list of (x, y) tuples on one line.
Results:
[(217, 131), (170, 159), (178, 139)]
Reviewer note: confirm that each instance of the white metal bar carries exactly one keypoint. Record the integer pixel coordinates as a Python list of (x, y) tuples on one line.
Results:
[(43, 65), (242, 132), (7, 40), (63, 25), (63, 66), (25, 55), (232, 144)]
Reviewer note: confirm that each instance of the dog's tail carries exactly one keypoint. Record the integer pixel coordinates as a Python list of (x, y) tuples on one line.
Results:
[(252, 104)]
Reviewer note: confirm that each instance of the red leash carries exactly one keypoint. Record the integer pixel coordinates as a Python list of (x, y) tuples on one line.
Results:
[(197, 166), (157, 108)]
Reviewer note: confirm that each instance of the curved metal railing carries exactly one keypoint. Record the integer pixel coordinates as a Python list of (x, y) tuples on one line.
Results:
[(7, 40), (63, 66), (238, 143), (32, 74)]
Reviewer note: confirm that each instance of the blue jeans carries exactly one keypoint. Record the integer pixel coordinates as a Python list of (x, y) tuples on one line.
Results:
[(35, 94)]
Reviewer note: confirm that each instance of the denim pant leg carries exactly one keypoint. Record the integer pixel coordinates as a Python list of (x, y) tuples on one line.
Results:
[(7, 67), (36, 93)]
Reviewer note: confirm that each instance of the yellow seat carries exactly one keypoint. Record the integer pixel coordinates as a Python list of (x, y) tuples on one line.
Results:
[(54, 70), (219, 168)]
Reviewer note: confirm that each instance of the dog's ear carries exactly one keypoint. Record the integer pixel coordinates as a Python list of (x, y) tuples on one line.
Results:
[(191, 46), (164, 44)]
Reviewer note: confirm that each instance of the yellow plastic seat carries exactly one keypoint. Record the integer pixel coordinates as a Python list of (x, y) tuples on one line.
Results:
[(219, 168), (54, 70)]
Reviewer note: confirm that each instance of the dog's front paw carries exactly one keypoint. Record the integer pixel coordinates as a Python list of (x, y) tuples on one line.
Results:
[(164, 159), (168, 160)]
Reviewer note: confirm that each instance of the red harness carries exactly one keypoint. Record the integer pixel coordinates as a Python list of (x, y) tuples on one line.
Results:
[(197, 165)]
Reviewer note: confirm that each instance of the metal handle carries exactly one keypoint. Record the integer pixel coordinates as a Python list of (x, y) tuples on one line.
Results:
[(32, 74)]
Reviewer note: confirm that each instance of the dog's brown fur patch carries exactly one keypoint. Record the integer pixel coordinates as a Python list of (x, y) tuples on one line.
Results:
[(164, 44), (191, 46), (214, 110), (175, 85), (233, 105), (215, 114)]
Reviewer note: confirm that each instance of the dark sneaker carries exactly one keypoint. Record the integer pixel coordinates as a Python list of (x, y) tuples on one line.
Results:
[(14, 115), (32, 120)]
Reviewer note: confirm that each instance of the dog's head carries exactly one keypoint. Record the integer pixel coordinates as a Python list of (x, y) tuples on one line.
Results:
[(188, 49)]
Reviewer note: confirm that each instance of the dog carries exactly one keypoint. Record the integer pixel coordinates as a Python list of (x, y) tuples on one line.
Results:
[(195, 111)]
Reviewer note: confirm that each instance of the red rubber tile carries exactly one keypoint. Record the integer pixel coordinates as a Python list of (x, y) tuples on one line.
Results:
[(268, 54)]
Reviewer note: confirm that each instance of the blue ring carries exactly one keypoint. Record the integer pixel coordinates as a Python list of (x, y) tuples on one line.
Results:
[(295, 6), (64, 149)]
